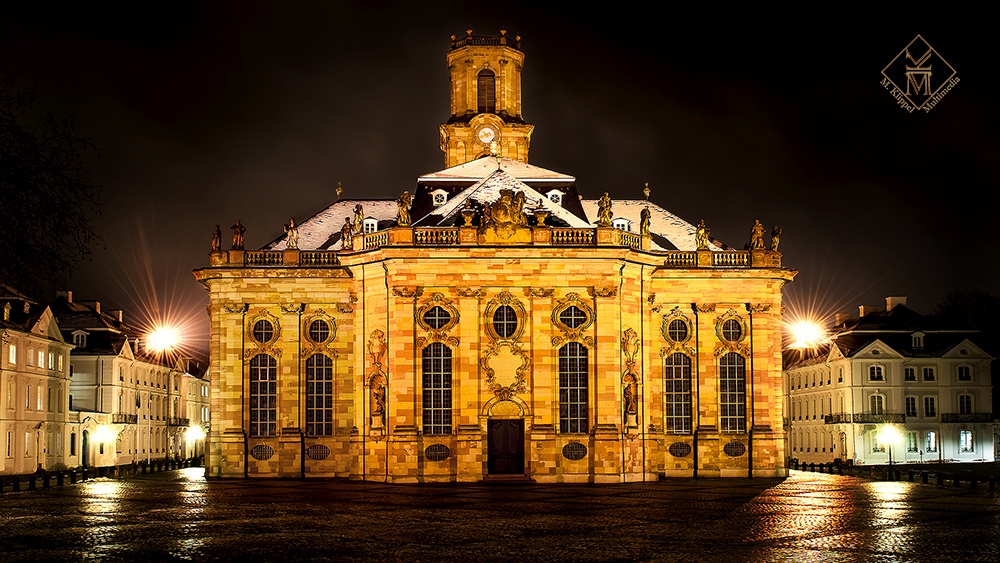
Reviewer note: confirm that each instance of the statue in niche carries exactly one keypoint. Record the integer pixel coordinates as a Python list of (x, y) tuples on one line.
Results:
[(631, 400), (757, 236), (775, 238), (604, 213), (238, 231), (293, 235), (359, 219), (644, 221), (403, 215), (217, 239), (347, 234), (701, 236)]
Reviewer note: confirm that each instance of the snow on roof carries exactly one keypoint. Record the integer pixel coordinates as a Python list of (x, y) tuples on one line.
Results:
[(322, 230), (483, 167)]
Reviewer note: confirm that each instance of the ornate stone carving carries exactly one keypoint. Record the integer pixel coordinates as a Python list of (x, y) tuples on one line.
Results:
[(345, 308), (701, 235), (775, 238), (238, 232), (310, 346), (630, 379), (292, 233), (235, 308), (739, 345), (377, 381), (644, 220), (505, 298), (603, 291), (439, 334), (505, 364), (604, 213), (704, 307), (471, 292), (538, 292), (759, 307), (683, 345), (254, 346), (403, 291), (403, 213), (217, 239), (757, 236), (505, 216), (572, 334), (292, 308)]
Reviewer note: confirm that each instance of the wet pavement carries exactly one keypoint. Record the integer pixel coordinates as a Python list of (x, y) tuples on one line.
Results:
[(177, 515)]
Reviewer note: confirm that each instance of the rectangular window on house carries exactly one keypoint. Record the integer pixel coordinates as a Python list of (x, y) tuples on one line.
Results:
[(72, 443), (929, 407), (573, 383), (31, 356), (910, 374), (876, 373), (60, 363), (732, 393), (437, 389), (965, 441), (52, 361), (928, 374), (319, 395), (263, 396), (912, 441), (39, 396), (931, 442), (964, 373), (876, 404), (12, 357), (10, 444), (41, 359), (965, 404), (877, 446), (911, 406)]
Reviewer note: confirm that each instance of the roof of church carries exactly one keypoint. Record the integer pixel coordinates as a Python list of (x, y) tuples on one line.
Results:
[(322, 230), (488, 190), (669, 232), (483, 167)]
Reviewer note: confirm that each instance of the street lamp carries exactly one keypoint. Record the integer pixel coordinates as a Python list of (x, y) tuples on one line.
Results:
[(889, 435)]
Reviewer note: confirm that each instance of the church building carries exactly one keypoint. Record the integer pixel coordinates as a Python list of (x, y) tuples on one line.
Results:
[(492, 324)]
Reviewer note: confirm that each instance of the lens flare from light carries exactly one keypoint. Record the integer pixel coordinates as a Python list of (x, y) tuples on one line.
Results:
[(195, 433), (806, 334), (163, 339), (105, 433)]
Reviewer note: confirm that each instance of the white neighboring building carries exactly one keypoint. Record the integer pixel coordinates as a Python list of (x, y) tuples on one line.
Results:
[(892, 367)]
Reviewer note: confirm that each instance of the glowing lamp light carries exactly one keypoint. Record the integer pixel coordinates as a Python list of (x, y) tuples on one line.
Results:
[(105, 433), (806, 334), (889, 435), (195, 433), (163, 339)]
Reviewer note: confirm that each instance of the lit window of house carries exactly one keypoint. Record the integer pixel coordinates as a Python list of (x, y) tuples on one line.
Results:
[(965, 441), (371, 226), (621, 224)]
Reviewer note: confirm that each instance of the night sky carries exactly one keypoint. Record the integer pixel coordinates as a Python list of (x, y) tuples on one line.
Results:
[(255, 110)]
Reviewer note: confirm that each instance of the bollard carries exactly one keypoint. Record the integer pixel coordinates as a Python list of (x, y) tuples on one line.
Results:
[(83, 476), (924, 477), (940, 479), (16, 484), (812, 467), (61, 478), (909, 475), (46, 480), (31, 482)]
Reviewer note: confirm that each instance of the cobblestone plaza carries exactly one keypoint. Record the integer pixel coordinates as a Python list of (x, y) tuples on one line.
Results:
[(178, 515)]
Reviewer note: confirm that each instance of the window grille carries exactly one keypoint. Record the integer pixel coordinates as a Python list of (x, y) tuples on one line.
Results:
[(320, 395), (437, 389), (573, 376)]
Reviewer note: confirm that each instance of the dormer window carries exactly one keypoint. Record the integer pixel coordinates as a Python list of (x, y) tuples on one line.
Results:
[(555, 196), (621, 224), (371, 225), (439, 197), (80, 339), (918, 339)]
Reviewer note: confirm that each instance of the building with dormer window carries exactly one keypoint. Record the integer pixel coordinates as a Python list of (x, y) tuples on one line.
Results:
[(892, 367), (496, 326)]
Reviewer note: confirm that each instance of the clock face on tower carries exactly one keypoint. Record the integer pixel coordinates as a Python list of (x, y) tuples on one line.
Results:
[(486, 134)]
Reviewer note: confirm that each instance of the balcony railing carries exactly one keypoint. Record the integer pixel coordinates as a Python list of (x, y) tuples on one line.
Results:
[(122, 418), (177, 422), (967, 417), (467, 236), (841, 418), (884, 418)]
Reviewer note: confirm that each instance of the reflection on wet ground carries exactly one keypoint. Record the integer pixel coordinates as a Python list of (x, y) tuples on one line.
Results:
[(179, 515)]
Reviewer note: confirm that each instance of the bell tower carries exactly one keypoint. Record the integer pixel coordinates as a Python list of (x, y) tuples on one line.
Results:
[(485, 100)]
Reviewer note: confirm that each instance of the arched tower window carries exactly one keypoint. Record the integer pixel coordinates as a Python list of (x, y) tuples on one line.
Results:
[(486, 90), (573, 371), (437, 389), (319, 395), (263, 396)]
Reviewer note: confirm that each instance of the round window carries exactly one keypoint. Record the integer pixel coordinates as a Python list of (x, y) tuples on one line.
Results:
[(680, 449), (263, 331), (677, 330), (319, 331), (573, 317), (732, 330), (574, 451), (734, 449), (437, 317), (504, 321), (437, 452)]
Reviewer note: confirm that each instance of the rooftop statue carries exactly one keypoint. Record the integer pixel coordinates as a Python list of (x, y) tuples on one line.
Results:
[(701, 236), (604, 213), (775, 238), (757, 236), (403, 215), (293, 235), (238, 231), (217, 239)]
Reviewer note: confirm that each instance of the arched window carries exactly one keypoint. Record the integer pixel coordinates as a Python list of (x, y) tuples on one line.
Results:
[(505, 321), (486, 90), (677, 393), (732, 393), (876, 404), (263, 396), (437, 389), (573, 372), (319, 395)]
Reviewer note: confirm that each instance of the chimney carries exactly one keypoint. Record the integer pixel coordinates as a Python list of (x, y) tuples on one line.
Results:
[(867, 310), (95, 305), (842, 318), (891, 302), (116, 313), (65, 293)]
